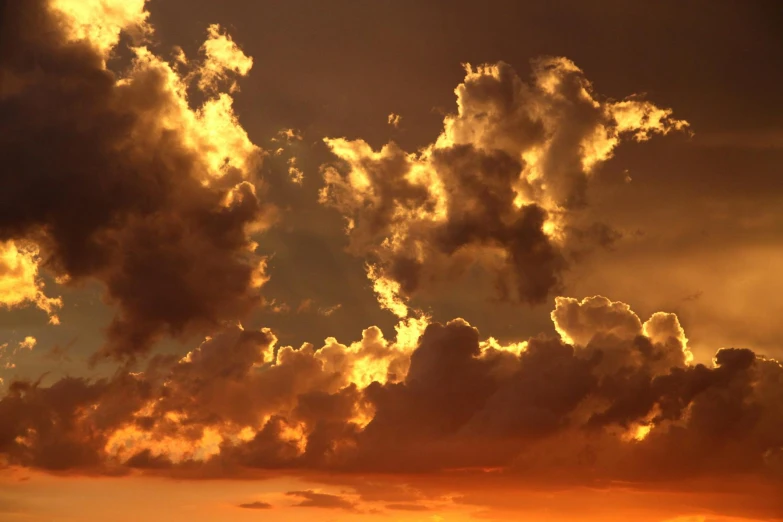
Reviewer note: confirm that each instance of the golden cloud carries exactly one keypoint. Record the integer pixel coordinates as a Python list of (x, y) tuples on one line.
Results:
[(153, 197), (498, 186)]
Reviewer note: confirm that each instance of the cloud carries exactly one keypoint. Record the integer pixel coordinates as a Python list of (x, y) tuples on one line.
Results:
[(222, 57), (322, 500), (612, 398), (288, 135), (295, 173), (136, 189), (28, 343), (256, 505), (20, 283), (499, 187), (407, 507), (99, 22), (7, 356)]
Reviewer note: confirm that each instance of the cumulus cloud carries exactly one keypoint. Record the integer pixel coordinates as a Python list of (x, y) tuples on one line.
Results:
[(611, 398), (222, 57), (20, 283), (498, 187), (114, 176)]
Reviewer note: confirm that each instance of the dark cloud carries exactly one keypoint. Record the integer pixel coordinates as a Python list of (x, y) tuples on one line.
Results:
[(137, 193), (256, 505), (46, 428), (613, 398), (115, 178), (501, 185), (322, 500)]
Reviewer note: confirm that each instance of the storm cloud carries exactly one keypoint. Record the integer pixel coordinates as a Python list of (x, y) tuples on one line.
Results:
[(114, 177)]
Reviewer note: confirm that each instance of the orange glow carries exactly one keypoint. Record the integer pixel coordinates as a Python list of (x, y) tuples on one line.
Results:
[(20, 283), (328, 264)]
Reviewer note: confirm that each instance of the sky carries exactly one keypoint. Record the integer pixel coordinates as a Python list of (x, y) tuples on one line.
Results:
[(391, 260)]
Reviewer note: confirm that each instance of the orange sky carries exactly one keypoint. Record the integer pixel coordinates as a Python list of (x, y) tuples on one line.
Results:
[(33, 496), (406, 261)]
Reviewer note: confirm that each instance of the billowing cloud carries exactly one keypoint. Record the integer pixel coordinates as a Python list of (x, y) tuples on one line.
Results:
[(612, 398), (115, 177), (222, 58), (500, 186), (99, 22), (20, 283)]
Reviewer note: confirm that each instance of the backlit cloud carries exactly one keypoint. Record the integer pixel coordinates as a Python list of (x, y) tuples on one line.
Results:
[(222, 58), (613, 398), (498, 187), (132, 208), (152, 197), (20, 283)]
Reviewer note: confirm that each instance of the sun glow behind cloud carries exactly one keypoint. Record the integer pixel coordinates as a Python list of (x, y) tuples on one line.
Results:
[(20, 283), (425, 420)]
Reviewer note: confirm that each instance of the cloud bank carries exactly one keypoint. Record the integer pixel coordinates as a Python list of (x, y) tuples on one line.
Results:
[(612, 398)]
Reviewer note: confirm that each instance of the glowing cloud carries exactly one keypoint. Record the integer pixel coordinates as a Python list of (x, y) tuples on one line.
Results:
[(498, 187), (20, 283), (100, 22), (222, 55), (153, 197), (623, 402)]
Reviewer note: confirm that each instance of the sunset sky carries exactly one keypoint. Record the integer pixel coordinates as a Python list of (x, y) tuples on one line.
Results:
[(432, 261)]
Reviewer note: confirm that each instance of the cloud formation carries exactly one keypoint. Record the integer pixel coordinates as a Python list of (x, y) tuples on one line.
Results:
[(157, 200), (498, 187), (611, 398), (20, 283), (136, 189), (322, 500), (256, 505)]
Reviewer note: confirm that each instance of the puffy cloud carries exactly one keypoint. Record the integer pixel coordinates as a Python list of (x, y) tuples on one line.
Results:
[(222, 57), (288, 135), (28, 343), (499, 186), (598, 324), (100, 22), (578, 321), (618, 400), (20, 283), (135, 188)]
